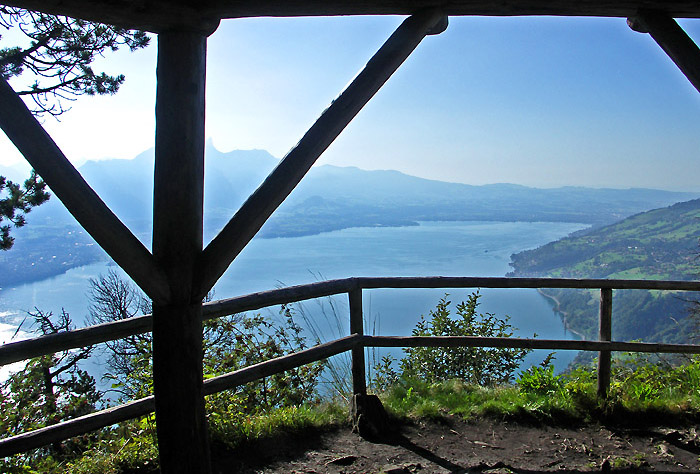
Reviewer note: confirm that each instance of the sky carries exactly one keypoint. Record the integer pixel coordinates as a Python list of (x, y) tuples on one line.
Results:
[(537, 101)]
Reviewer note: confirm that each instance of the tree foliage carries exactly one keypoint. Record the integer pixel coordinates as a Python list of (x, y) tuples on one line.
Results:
[(57, 52), (477, 365), (50, 60), (229, 343), (48, 390), (16, 201)]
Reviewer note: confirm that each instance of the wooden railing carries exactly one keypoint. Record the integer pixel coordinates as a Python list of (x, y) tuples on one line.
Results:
[(355, 342)]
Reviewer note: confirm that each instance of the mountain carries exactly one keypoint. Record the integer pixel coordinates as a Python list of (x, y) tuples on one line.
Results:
[(332, 197), (329, 198), (657, 244)]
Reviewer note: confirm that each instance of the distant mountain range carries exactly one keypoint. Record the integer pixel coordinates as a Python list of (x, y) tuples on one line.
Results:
[(657, 244), (329, 198)]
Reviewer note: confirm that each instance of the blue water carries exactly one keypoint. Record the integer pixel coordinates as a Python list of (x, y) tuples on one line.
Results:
[(434, 248)]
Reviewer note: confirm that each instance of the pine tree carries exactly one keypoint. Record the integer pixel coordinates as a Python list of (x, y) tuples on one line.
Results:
[(52, 66)]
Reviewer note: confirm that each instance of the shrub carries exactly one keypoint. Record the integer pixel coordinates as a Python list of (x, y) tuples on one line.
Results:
[(484, 366)]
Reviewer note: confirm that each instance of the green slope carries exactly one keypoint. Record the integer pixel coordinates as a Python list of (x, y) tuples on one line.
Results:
[(658, 244)]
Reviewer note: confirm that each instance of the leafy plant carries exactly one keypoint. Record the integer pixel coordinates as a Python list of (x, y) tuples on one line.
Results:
[(483, 366), (540, 379), (48, 390)]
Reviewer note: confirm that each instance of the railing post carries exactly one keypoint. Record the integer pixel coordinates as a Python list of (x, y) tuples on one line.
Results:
[(359, 384), (604, 334)]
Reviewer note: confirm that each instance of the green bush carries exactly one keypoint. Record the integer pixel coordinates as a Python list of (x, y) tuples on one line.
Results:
[(483, 366), (540, 379)]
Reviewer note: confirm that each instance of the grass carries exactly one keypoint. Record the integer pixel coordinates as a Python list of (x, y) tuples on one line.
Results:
[(648, 391)]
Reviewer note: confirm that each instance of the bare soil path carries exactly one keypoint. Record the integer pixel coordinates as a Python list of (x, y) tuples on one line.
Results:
[(485, 446)]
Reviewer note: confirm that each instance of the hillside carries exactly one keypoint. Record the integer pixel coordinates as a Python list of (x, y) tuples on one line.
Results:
[(329, 198), (658, 244)]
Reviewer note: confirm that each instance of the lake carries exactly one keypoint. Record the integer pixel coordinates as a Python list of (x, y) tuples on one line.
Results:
[(430, 249)]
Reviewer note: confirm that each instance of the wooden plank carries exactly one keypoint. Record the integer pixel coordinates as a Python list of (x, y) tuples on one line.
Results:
[(672, 39), (274, 366), (94, 421), (263, 299), (359, 382), (80, 199), (87, 423), (516, 343), (75, 427), (161, 15), (507, 282), (178, 198), (604, 334), (16, 351), (83, 337), (221, 251)]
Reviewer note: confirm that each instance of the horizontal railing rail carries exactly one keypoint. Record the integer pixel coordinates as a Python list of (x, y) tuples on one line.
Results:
[(356, 342), (100, 333)]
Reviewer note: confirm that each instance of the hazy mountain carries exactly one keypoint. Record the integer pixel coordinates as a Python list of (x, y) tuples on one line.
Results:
[(346, 193), (329, 198)]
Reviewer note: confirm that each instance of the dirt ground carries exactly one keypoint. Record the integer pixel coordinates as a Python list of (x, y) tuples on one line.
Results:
[(455, 446)]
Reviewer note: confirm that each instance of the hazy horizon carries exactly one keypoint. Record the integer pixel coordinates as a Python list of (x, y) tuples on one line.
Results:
[(537, 101)]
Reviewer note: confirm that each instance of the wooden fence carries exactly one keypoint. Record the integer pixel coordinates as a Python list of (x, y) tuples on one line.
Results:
[(355, 342)]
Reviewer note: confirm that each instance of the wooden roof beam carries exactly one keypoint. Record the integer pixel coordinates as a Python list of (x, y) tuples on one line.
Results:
[(30, 138), (672, 39), (204, 15), (233, 238)]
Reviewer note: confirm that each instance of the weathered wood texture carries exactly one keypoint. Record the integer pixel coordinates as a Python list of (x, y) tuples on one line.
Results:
[(16, 351), (673, 40), (604, 334), (68, 185), (289, 361), (78, 426), (359, 384), (160, 15), (506, 282), (511, 342), (144, 406), (177, 243), (284, 178)]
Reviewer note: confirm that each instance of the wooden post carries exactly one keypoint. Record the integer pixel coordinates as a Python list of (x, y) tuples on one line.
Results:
[(359, 384), (177, 243), (604, 334), (673, 40)]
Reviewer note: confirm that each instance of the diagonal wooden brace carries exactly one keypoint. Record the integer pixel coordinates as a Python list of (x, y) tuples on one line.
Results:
[(80, 199), (672, 39), (224, 248)]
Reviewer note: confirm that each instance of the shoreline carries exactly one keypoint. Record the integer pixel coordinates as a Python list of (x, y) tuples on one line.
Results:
[(562, 314)]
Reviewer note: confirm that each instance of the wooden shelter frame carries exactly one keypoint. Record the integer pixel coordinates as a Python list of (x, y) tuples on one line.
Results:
[(179, 271)]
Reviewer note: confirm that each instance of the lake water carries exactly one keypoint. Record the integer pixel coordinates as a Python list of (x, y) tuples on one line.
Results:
[(431, 249)]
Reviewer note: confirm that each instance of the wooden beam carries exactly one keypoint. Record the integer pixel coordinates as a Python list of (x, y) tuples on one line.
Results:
[(274, 190), (673, 40), (137, 408), (21, 350), (75, 427), (178, 198), (163, 15), (30, 138), (507, 282), (280, 364), (517, 343), (357, 368), (604, 334)]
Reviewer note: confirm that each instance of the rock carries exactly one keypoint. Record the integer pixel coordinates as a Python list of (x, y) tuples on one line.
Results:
[(369, 419)]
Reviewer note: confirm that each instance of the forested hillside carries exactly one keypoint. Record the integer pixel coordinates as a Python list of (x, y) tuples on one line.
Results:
[(658, 244)]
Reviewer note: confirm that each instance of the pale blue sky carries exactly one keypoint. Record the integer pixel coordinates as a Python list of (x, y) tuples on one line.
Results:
[(534, 101)]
